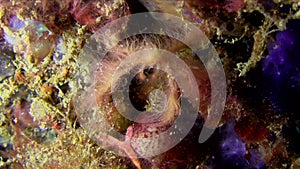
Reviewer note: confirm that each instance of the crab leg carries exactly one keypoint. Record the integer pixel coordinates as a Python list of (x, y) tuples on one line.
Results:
[(122, 145)]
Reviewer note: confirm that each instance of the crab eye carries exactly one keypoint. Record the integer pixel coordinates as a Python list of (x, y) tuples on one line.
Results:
[(148, 71)]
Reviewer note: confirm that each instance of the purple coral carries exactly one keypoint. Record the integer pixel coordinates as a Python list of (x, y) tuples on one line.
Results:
[(284, 57), (233, 151), (282, 79), (282, 67)]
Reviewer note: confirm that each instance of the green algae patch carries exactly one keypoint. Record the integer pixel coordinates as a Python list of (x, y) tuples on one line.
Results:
[(41, 111)]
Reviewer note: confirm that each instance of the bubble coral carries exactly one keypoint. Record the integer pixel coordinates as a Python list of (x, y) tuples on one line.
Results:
[(29, 37)]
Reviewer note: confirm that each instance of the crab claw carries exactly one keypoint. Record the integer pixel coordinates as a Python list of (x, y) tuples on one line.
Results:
[(128, 148), (122, 145)]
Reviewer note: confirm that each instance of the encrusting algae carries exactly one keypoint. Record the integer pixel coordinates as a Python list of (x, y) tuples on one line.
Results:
[(47, 137)]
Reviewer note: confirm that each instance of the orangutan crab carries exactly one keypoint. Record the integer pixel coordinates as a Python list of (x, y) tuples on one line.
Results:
[(152, 91), (148, 123)]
